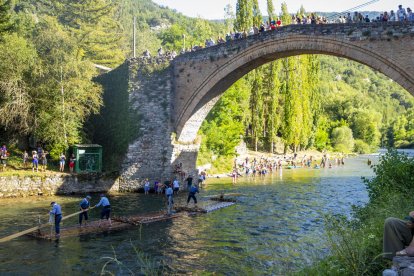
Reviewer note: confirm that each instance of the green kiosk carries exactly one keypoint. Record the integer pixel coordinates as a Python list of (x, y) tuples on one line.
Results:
[(88, 158)]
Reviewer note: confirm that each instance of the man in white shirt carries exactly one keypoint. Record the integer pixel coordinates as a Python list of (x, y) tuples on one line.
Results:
[(401, 14)]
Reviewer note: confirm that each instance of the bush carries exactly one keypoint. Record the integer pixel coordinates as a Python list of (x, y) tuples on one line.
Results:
[(342, 139), (394, 174), (361, 147)]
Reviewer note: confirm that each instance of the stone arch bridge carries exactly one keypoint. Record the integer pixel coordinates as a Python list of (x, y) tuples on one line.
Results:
[(173, 99)]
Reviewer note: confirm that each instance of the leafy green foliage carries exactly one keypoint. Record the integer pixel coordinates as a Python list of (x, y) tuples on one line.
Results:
[(244, 15), (5, 17), (393, 175), (342, 139), (225, 123)]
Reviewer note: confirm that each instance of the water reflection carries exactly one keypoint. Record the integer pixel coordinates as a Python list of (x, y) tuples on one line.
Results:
[(276, 227)]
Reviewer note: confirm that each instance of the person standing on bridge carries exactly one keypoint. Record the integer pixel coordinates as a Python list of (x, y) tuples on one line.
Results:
[(56, 213), (84, 206), (106, 210), (401, 14)]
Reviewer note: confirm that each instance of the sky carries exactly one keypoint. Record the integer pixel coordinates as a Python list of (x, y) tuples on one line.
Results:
[(214, 9)]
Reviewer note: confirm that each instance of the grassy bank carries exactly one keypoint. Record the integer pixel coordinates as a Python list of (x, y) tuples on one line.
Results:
[(356, 244)]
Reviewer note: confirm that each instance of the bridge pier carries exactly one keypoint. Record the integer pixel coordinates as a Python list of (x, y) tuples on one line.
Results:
[(154, 153)]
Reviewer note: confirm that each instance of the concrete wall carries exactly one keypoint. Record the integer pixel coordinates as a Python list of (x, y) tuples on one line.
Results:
[(15, 186)]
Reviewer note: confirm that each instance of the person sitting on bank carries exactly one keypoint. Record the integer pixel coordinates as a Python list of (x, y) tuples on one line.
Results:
[(191, 194), (398, 237), (106, 209), (84, 206), (56, 212)]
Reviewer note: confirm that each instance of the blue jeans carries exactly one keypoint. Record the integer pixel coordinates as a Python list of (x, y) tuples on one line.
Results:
[(192, 196), (58, 218)]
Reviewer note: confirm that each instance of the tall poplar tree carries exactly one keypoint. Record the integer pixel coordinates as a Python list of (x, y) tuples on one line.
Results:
[(272, 102), (257, 15), (244, 15), (256, 107), (271, 10), (285, 16)]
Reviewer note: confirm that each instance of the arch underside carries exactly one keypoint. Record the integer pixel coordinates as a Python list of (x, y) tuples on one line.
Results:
[(218, 81)]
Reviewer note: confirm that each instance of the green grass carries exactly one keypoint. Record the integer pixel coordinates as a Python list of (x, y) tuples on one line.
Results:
[(15, 166)]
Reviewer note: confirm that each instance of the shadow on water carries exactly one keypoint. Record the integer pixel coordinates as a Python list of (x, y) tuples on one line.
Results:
[(276, 227)]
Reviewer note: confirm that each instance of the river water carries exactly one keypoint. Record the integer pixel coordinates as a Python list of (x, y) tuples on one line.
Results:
[(276, 227)]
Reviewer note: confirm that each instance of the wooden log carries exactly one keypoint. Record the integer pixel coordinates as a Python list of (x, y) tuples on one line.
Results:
[(19, 234)]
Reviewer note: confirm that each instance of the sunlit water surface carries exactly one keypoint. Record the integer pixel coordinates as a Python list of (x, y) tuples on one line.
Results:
[(277, 226)]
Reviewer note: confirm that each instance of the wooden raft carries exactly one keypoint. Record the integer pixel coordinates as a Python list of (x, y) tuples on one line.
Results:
[(124, 222)]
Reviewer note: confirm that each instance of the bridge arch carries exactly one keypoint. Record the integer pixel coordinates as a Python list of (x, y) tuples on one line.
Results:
[(202, 77)]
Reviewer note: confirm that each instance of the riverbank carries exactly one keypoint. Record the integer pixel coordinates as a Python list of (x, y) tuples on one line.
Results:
[(14, 184), (316, 156)]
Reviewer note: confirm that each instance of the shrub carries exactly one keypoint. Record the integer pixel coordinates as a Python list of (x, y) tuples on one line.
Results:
[(342, 139), (361, 147)]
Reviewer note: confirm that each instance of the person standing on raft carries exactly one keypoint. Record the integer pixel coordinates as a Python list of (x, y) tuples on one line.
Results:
[(170, 201), (106, 210), (84, 206), (192, 193), (57, 213)]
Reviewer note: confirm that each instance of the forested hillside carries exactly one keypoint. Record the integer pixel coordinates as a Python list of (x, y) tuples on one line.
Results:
[(49, 50)]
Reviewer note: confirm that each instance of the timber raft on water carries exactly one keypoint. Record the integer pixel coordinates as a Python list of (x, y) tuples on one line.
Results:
[(124, 222)]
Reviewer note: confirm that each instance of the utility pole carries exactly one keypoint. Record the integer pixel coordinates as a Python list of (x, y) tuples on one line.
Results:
[(62, 91), (184, 43), (134, 36)]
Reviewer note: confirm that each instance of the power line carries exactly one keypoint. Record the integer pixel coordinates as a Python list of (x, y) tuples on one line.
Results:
[(353, 9)]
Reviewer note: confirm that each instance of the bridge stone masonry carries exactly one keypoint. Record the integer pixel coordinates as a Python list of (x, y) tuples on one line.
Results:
[(173, 100)]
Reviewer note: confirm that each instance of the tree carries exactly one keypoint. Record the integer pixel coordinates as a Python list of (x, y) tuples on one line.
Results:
[(270, 10), (229, 18), (244, 15), (65, 94), (285, 16), (256, 107), (5, 17), (342, 139), (257, 15), (92, 25), (172, 38), (19, 59)]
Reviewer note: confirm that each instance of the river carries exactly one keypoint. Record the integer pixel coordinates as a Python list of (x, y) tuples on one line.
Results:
[(276, 227)]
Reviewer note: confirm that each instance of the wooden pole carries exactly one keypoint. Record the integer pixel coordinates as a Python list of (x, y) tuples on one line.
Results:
[(134, 39), (30, 230)]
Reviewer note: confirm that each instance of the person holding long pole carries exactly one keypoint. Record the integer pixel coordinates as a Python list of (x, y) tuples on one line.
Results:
[(84, 206), (106, 210), (57, 213)]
